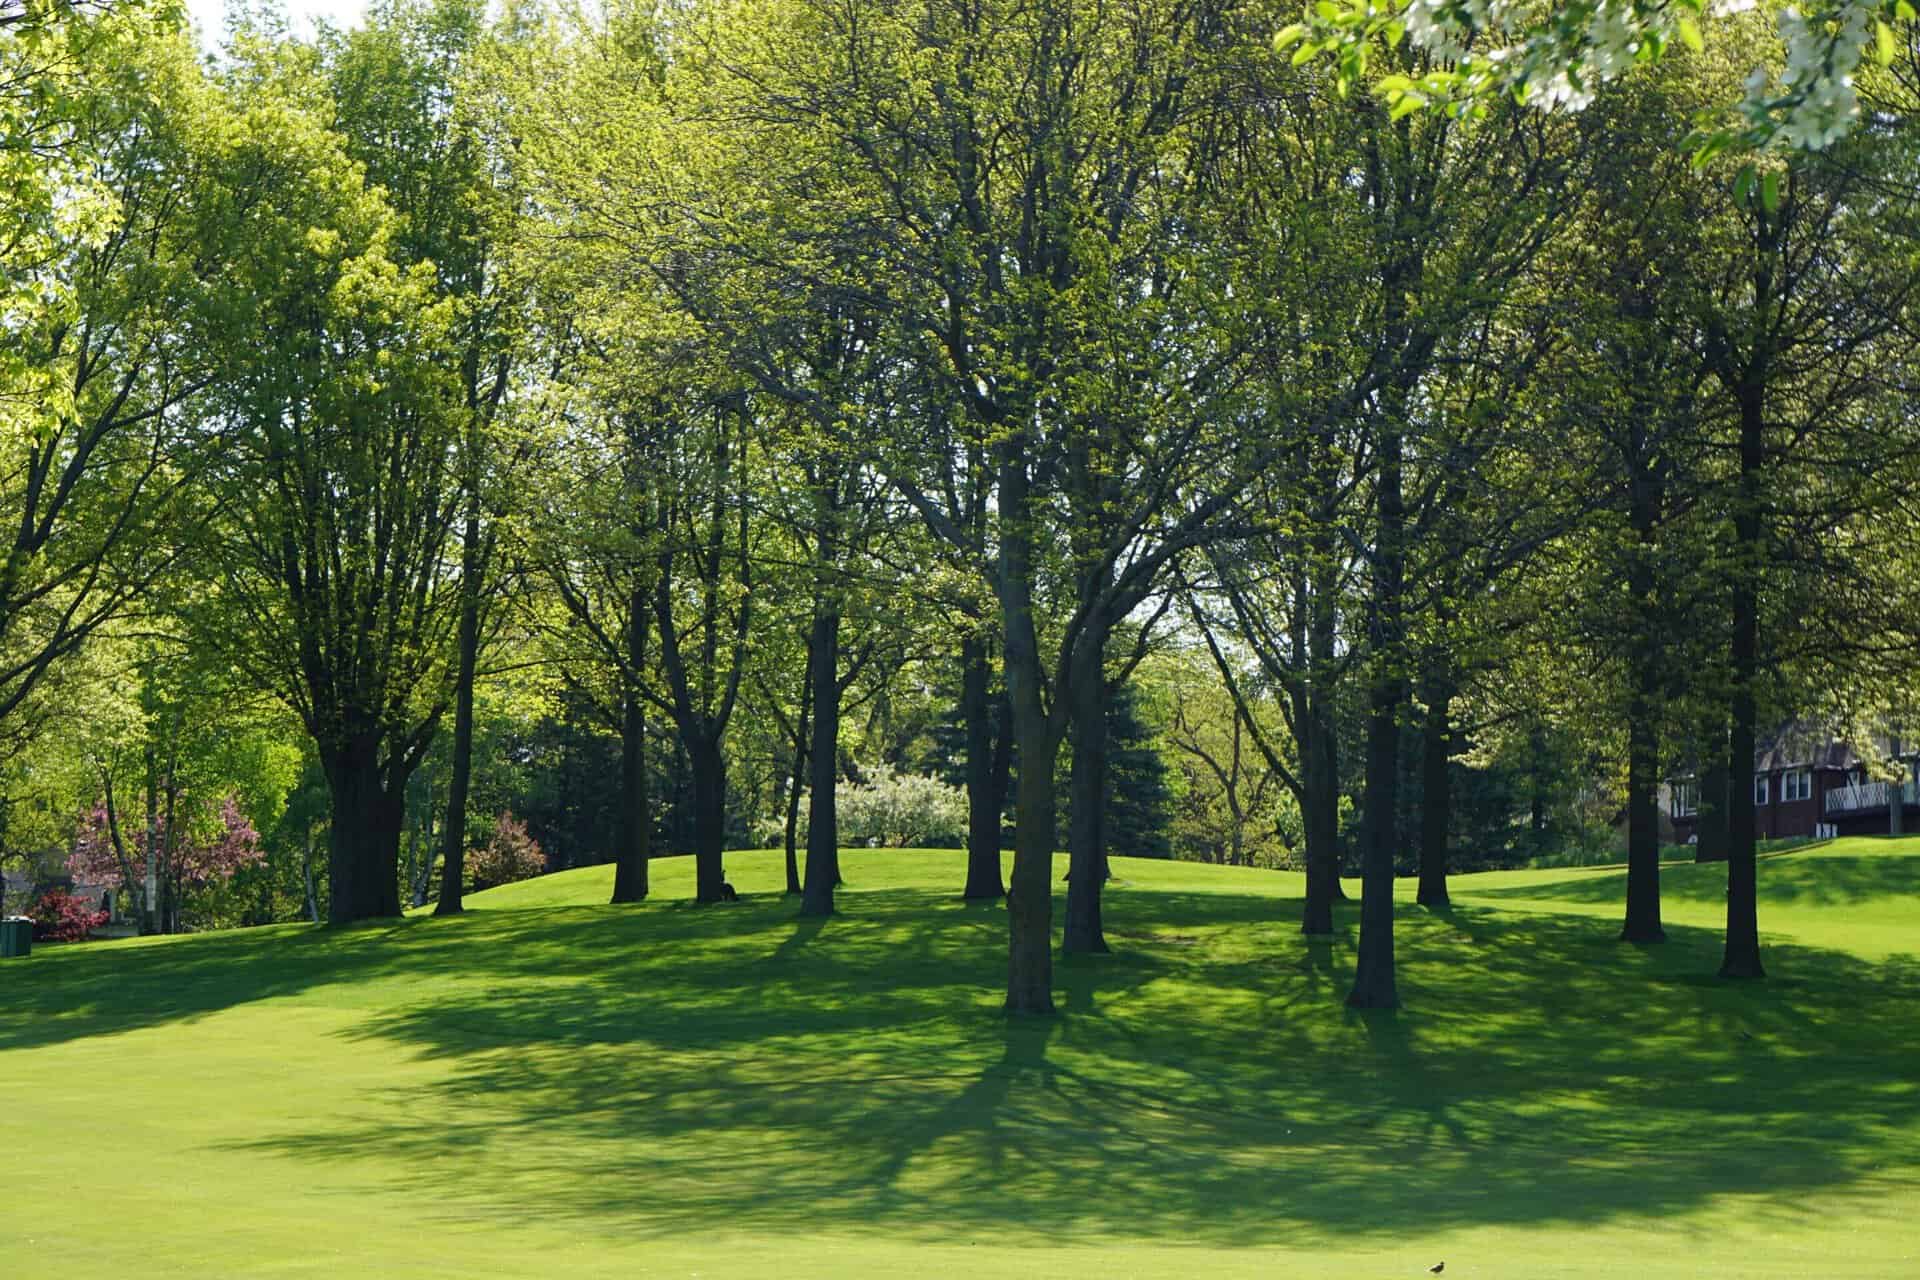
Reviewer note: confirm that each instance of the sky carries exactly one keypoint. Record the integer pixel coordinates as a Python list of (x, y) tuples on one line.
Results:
[(210, 15)]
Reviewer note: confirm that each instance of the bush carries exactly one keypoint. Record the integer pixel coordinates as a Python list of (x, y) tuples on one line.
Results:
[(898, 810), (61, 917), (509, 854), (902, 810)]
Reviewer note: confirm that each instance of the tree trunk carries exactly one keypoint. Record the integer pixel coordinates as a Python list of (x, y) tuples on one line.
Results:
[(1030, 897), (1086, 800), (823, 819), (984, 797), (1030, 900), (1742, 958), (363, 839), (1643, 826), (306, 874), (1643, 741), (797, 780), (709, 769), (1374, 984), (1436, 788), (1320, 757), (1716, 791), (636, 808), (453, 848), (150, 885)]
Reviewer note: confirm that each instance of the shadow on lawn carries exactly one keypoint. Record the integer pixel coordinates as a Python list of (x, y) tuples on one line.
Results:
[(1819, 880), (670, 1072)]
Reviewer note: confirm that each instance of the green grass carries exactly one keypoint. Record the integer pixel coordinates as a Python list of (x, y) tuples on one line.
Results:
[(549, 1086)]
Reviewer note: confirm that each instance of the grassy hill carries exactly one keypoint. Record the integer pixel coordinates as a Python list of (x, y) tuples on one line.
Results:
[(550, 1086)]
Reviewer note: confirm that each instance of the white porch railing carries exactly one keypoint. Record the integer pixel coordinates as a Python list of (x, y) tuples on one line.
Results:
[(1867, 795)]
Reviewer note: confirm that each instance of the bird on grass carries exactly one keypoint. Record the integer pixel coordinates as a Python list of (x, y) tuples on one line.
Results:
[(1437, 1268)]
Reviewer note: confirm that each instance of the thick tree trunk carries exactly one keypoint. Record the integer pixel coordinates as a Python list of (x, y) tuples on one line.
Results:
[(636, 808), (1087, 801), (709, 768), (1030, 900), (1742, 958), (1716, 792), (1374, 985), (453, 848), (985, 793), (1030, 897), (363, 838), (823, 819), (1436, 789)]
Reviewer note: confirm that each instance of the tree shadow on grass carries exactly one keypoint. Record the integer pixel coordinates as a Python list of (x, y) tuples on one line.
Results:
[(1204, 1085), (1811, 879)]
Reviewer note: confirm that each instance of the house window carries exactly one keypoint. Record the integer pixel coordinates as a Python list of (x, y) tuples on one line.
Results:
[(1796, 785), (1759, 789), (1686, 799)]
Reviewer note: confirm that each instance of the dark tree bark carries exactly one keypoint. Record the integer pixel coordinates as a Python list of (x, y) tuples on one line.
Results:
[(823, 822), (453, 848), (1643, 826), (1742, 957), (636, 809), (1037, 737), (1436, 786), (986, 794), (797, 780), (1643, 739), (709, 766), (363, 863), (1716, 793), (1374, 985), (1320, 756), (1086, 810)]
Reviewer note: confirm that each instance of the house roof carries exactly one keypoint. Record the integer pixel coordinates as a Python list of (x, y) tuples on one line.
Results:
[(1800, 746)]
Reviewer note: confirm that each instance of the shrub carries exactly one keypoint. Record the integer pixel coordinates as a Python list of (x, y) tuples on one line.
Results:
[(61, 917), (902, 810), (508, 854), (898, 810)]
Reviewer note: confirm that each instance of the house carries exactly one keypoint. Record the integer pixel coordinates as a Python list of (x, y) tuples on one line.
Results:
[(18, 888), (1812, 783)]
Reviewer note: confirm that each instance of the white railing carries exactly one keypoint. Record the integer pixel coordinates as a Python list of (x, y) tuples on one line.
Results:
[(1866, 795)]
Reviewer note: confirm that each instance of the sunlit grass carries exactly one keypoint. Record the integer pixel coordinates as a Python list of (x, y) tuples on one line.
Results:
[(552, 1086)]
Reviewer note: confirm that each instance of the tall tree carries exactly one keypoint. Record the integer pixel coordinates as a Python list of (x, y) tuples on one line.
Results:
[(339, 493)]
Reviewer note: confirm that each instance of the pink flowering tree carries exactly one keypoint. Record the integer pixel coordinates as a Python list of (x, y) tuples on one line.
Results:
[(186, 858)]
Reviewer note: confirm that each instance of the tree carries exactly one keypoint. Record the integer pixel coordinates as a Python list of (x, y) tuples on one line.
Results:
[(104, 122), (339, 489), (401, 85)]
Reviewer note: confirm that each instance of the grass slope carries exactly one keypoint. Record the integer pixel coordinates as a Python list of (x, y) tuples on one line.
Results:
[(550, 1086)]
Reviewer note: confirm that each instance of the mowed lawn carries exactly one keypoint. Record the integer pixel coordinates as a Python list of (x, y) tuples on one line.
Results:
[(554, 1087)]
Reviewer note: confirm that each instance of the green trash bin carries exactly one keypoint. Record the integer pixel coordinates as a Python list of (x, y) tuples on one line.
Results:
[(16, 937)]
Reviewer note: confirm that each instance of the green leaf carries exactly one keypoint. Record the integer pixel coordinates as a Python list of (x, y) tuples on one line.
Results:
[(1304, 52), (1287, 35), (1743, 184), (1690, 34), (1770, 190), (1396, 31), (1904, 10), (1405, 105), (1327, 10), (1883, 43)]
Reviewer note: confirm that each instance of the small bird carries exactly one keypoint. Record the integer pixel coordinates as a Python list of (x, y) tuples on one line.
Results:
[(1437, 1268)]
